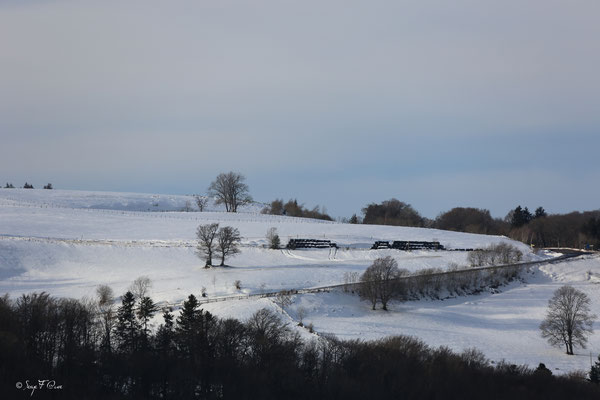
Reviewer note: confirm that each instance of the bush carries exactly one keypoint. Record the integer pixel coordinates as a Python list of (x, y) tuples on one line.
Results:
[(273, 240), (495, 254)]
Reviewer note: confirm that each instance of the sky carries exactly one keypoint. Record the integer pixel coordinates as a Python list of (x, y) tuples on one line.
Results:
[(488, 104)]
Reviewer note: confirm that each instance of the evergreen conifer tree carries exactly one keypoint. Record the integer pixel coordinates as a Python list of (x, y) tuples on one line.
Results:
[(164, 335), (540, 212), (595, 372), (187, 325), (127, 327), (145, 312)]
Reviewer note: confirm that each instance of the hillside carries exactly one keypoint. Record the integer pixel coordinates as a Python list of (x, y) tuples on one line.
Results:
[(50, 238), (69, 242)]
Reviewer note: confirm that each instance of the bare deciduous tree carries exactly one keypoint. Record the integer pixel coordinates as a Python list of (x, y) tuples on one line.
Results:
[(568, 320), (229, 189), (283, 299), (107, 314), (350, 278), (379, 281), (368, 287), (187, 207), (228, 241), (301, 312), (140, 287), (201, 202), (206, 242), (267, 326)]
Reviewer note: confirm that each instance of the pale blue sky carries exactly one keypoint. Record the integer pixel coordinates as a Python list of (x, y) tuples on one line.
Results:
[(339, 103)]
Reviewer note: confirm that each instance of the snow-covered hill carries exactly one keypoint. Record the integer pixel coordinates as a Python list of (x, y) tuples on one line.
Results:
[(110, 200), (68, 251), (68, 242)]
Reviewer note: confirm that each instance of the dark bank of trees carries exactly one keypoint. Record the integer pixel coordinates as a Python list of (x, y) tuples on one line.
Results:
[(538, 228), (576, 229), (196, 355), (392, 212), (292, 209), (460, 219), (468, 219)]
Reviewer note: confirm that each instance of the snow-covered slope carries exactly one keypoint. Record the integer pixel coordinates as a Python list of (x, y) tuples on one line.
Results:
[(38, 215), (110, 200), (67, 243), (503, 325), (69, 251)]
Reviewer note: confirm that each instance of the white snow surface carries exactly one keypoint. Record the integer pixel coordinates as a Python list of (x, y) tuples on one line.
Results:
[(110, 200), (69, 242)]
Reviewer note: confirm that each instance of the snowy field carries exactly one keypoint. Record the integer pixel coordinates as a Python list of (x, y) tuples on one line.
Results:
[(69, 242)]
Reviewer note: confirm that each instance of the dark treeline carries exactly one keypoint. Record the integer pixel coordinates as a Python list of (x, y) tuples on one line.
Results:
[(293, 209), (25, 186), (95, 352), (471, 220), (392, 212), (576, 229)]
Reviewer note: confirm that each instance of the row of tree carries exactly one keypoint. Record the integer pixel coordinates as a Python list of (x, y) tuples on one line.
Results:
[(576, 229), (569, 230), (495, 254), (292, 209), (93, 350), (383, 281), (539, 228), (463, 219), (26, 186)]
